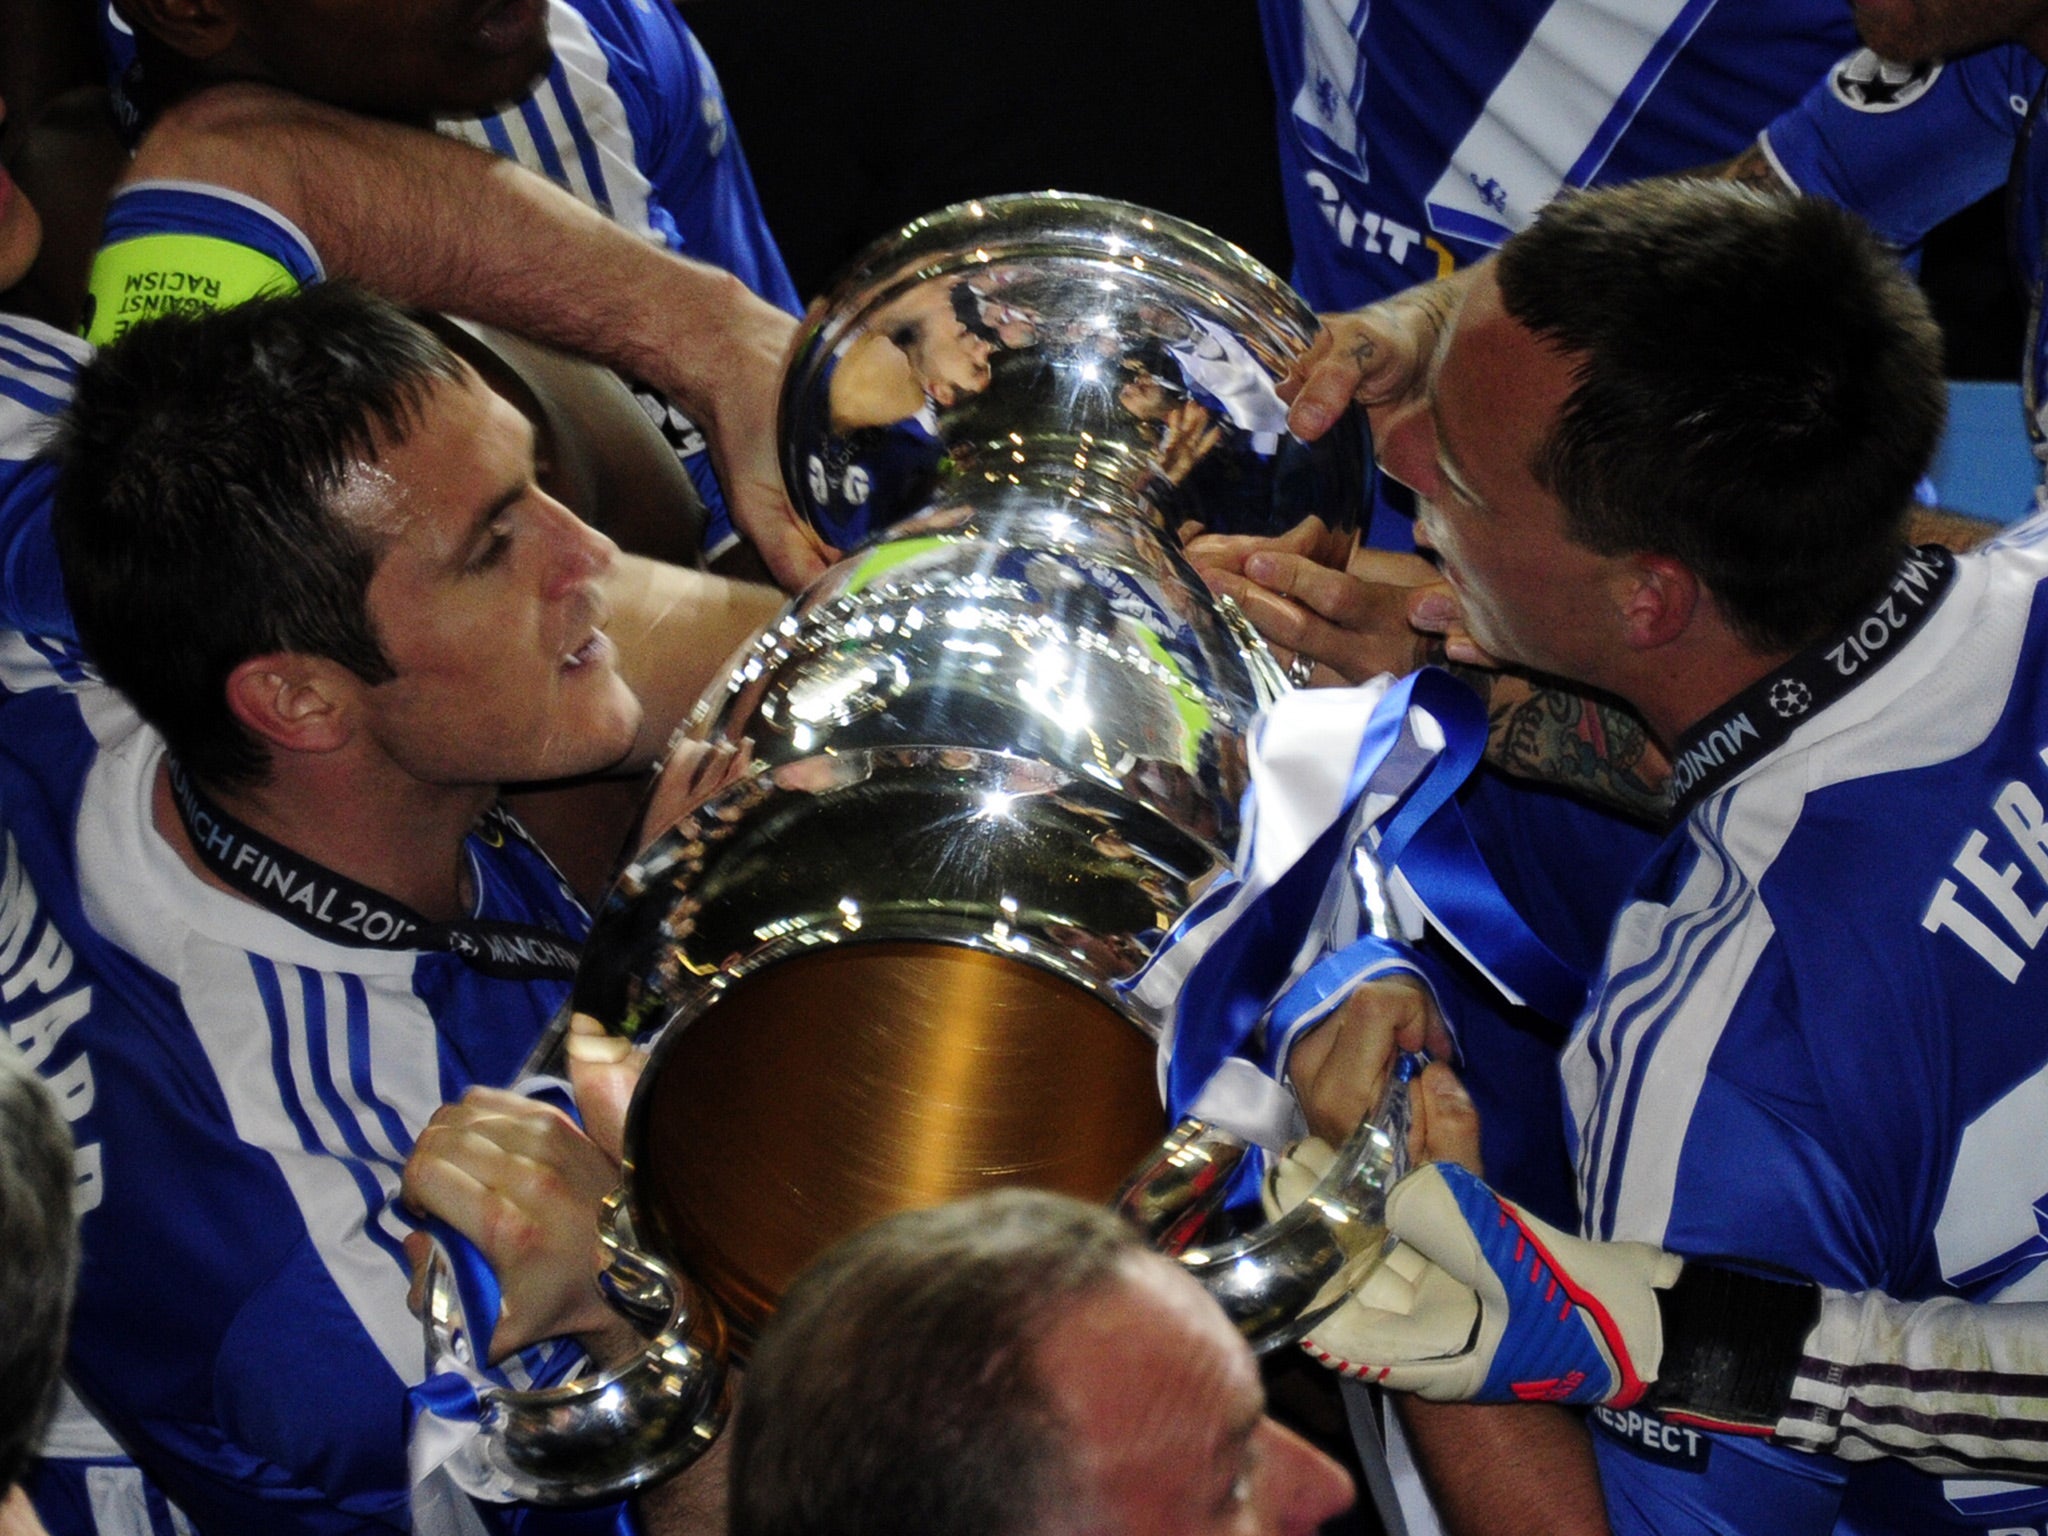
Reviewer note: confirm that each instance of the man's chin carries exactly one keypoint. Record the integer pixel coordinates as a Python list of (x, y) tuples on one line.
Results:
[(510, 54), (1900, 32), (620, 751), (596, 748), (21, 234), (498, 89)]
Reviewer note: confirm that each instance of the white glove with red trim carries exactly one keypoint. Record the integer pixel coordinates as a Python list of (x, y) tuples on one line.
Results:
[(1482, 1303)]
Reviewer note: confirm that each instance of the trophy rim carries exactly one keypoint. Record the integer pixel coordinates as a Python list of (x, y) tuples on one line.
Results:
[(1003, 228)]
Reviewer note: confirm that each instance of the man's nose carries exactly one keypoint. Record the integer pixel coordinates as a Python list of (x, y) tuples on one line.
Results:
[(1305, 1486), (582, 554)]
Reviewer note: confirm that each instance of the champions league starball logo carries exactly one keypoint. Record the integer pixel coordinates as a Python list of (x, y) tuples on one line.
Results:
[(1871, 84), (1790, 698)]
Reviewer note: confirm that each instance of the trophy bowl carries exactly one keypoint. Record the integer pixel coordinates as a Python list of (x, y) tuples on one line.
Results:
[(990, 757), (914, 850)]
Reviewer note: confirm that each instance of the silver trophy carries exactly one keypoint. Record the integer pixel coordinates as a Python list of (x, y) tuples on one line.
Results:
[(941, 811)]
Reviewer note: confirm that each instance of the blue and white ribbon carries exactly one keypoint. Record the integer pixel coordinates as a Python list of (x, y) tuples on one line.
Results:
[(447, 1408), (1443, 870), (1282, 941), (1323, 766)]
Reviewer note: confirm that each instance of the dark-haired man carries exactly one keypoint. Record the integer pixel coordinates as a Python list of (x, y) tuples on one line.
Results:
[(263, 937), (1665, 447), (1013, 1365)]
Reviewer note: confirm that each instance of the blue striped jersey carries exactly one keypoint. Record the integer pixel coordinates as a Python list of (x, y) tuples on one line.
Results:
[(37, 366), (1416, 136), (242, 1095), (630, 118), (1816, 1040)]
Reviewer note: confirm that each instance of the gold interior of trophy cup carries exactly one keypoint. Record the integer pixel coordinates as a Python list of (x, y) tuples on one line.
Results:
[(829, 1090)]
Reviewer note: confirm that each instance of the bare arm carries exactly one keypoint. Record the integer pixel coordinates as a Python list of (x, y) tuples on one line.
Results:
[(1952, 530), (441, 225), (693, 1502), (675, 630), (1512, 1467)]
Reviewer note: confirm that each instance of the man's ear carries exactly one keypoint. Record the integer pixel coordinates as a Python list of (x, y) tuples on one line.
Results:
[(295, 703), (1659, 597), (198, 29)]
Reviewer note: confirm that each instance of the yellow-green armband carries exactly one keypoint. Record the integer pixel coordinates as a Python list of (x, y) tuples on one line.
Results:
[(174, 274)]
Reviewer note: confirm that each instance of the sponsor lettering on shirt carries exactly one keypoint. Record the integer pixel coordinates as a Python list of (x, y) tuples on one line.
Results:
[(38, 1005), (1375, 234), (1655, 1439)]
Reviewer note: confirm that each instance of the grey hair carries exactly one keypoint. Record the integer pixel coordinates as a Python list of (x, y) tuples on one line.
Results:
[(895, 1389), (38, 1258)]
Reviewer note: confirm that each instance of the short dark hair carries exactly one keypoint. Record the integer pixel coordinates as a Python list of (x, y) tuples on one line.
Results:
[(895, 1389), (193, 516), (1759, 388), (38, 1259)]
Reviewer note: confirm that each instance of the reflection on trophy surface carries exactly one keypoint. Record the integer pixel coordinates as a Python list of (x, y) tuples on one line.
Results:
[(942, 810), (993, 755)]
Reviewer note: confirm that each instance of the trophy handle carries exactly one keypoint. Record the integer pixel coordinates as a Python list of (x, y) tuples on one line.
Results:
[(1280, 1280), (599, 1436)]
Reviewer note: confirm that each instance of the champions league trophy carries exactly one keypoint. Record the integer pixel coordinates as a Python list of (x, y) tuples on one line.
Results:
[(886, 952)]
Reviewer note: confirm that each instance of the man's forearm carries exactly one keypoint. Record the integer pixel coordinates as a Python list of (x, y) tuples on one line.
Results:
[(675, 629), (693, 1502), (1525, 1467), (1957, 531), (439, 224)]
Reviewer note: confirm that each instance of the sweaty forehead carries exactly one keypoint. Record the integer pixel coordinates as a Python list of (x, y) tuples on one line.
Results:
[(461, 443)]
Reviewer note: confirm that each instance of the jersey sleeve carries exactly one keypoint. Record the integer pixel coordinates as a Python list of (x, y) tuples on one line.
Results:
[(37, 366), (1976, 1376), (1907, 147), (183, 248), (689, 149)]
